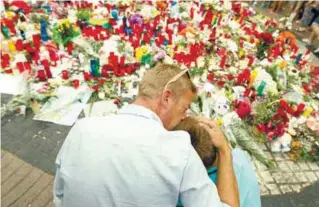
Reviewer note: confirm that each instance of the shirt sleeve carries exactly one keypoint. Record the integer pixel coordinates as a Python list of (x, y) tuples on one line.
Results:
[(197, 190), (58, 189)]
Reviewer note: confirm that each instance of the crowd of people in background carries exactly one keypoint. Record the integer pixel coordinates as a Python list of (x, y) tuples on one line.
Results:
[(304, 13)]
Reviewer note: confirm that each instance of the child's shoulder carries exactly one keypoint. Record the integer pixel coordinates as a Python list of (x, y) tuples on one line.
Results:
[(240, 157)]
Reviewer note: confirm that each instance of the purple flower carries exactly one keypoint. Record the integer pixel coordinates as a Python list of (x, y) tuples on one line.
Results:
[(159, 56), (136, 19)]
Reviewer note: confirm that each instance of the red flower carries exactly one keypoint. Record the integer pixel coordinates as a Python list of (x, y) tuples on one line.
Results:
[(267, 38), (96, 87), (87, 76), (210, 77)]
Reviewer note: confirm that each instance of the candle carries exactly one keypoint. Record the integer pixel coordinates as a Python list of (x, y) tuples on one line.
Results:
[(76, 83), (222, 62), (20, 66), (36, 40), (298, 58), (65, 74), (44, 33), (5, 31), (251, 60), (95, 67), (12, 47), (69, 48), (104, 73), (19, 45), (41, 75)]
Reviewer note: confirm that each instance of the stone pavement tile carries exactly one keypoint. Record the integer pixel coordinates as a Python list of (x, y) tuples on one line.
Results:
[(264, 190), (278, 177), (13, 146), (317, 173), (273, 188), (45, 196), (305, 185), (37, 158), (15, 179), (313, 165), (6, 159), (260, 166), (301, 176), (311, 176), (283, 166), (293, 166), (303, 166), (285, 189), (11, 168), (3, 153), (266, 177), (34, 191), (47, 146), (22, 187), (289, 178), (296, 187), (286, 156), (278, 157)]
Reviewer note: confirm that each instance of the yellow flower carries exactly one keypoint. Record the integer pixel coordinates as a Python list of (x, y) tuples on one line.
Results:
[(283, 64), (307, 112), (241, 53), (139, 52)]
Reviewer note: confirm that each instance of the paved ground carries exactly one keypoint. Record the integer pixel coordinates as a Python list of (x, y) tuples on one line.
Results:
[(23, 185)]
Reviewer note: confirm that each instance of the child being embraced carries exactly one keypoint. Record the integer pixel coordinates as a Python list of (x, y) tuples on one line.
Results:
[(201, 140)]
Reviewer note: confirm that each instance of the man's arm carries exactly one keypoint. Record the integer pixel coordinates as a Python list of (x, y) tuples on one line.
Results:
[(226, 183), (196, 189)]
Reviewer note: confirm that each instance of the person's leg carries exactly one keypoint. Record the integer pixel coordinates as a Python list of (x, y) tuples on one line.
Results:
[(315, 29)]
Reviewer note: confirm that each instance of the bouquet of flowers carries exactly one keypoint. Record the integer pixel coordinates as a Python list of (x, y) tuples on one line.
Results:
[(64, 32)]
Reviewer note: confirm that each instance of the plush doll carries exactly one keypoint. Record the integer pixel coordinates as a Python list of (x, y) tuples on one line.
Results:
[(281, 144)]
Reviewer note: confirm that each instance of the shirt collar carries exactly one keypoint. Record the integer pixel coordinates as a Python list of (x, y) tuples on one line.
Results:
[(141, 111)]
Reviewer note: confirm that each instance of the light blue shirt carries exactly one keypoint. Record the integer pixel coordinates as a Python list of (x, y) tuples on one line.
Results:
[(249, 191), (130, 160)]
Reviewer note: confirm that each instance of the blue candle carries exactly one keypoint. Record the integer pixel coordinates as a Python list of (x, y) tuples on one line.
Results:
[(298, 58), (44, 34)]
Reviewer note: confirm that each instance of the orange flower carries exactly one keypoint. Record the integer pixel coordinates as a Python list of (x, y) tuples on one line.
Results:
[(287, 35)]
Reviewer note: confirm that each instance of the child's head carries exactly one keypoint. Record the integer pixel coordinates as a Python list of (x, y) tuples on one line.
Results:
[(200, 140)]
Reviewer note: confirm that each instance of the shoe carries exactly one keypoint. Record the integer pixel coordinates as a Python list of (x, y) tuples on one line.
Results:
[(316, 51)]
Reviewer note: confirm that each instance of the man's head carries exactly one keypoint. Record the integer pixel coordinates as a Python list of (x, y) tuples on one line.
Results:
[(168, 91), (200, 140)]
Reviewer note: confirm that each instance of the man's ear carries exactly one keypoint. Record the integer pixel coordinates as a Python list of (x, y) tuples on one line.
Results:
[(166, 96)]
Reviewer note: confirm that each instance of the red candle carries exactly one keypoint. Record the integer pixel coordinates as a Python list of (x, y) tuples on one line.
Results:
[(222, 62), (36, 40), (20, 66), (65, 74), (19, 45), (48, 72), (5, 60), (41, 75), (76, 83), (122, 61), (69, 48), (104, 72), (27, 65), (251, 60)]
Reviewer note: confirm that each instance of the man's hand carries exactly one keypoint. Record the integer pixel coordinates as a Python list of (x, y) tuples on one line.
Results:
[(226, 182), (215, 132)]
